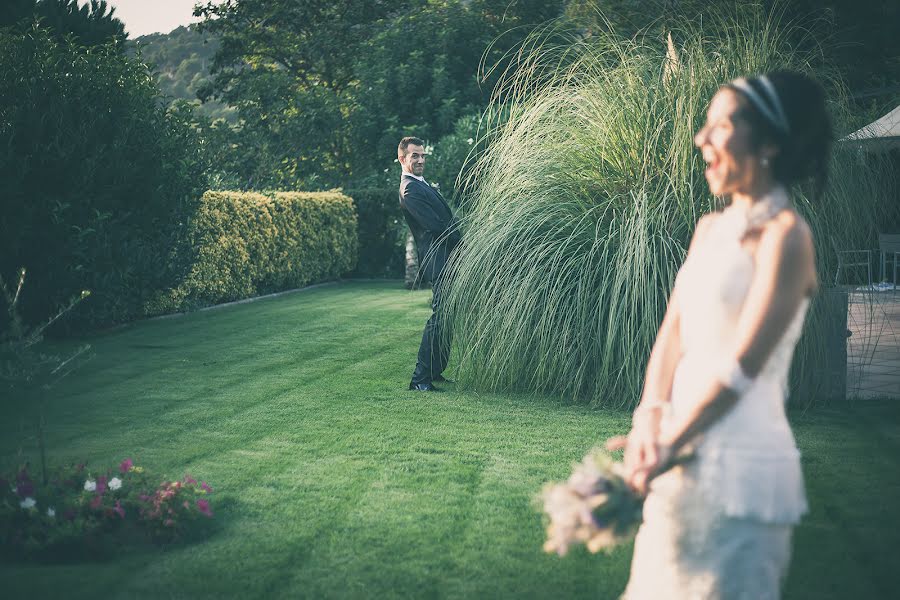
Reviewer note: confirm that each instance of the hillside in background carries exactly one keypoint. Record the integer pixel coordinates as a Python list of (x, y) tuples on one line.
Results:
[(181, 60)]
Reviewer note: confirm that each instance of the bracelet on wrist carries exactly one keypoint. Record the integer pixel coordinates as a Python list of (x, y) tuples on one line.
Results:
[(648, 406)]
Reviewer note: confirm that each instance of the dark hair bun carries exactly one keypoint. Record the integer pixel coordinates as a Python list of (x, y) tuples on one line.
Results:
[(805, 150)]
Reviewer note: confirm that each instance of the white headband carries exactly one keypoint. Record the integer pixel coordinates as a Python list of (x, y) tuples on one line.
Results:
[(771, 110)]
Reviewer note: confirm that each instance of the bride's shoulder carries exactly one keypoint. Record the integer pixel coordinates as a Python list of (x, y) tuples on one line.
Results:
[(789, 237), (704, 225), (788, 227)]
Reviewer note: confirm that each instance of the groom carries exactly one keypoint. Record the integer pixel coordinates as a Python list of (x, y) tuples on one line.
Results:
[(436, 233)]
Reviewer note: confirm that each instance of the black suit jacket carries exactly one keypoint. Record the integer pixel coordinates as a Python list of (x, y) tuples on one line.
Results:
[(432, 223)]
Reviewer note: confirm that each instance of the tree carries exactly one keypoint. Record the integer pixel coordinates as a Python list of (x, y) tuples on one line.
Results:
[(331, 86), (91, 24), (97, 175)]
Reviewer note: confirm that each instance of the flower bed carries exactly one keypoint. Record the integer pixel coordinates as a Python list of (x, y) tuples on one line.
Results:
[(85, 512)]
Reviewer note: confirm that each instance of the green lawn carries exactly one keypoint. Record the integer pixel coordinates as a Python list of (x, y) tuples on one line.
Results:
[(333, 481)]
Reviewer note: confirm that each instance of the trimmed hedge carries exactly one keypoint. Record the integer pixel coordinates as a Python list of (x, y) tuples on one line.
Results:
[(244, 244), (96, 179), (381, 231)]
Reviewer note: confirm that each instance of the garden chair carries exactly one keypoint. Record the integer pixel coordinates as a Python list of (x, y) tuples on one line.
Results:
[(889, 245), (852, 258)]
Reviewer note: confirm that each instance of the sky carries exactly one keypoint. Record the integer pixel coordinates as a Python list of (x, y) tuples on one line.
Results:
[(153, 16)]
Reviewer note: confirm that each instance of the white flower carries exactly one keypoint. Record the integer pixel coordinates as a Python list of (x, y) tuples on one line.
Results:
[(90, 485), (470, 141), (115, 483), (27, 503), (51, 512)]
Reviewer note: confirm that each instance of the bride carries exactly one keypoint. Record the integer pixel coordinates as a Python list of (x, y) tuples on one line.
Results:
[(720, 526)]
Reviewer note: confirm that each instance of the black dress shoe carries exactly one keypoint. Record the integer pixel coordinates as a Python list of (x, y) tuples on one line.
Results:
[(442, 379), (423, 387)]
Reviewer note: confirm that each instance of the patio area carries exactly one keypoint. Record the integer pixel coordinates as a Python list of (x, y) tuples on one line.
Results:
[(873, 348)]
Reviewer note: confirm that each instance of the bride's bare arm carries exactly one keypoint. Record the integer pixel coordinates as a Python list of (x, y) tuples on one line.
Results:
[(784, 275), (641, 443), (667, 347)]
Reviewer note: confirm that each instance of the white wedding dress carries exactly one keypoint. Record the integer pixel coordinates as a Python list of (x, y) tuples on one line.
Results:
[(720, 526)]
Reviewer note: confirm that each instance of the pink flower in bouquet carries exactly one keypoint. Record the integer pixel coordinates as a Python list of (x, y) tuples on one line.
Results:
[(126, 465), (205, 487), (189, 479), (168, 522), (96, 502), (203, 507), (119, 510), (101, 485)]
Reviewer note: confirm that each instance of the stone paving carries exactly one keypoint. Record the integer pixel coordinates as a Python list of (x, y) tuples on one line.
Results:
[(873, 348)]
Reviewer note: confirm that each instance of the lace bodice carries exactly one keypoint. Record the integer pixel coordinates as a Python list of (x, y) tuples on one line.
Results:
[(713, 284), (748, 463)]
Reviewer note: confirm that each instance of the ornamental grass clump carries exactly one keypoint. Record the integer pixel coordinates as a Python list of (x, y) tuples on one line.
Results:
[(581, 210)]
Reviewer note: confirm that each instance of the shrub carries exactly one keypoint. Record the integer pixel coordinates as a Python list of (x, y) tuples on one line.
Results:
[(96, 177), (581, 210), (242, 244), (78, 512), (381, 232)]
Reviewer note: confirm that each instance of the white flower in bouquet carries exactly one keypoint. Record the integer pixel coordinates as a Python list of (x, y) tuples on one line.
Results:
[(115, 483), (51, 512), (90, 485), (28, 503)]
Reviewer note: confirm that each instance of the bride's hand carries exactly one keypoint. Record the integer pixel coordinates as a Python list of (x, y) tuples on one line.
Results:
[(641, 476), (641, 449)]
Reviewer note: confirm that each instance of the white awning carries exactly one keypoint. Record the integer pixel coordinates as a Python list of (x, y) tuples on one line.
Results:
[(883, 132)]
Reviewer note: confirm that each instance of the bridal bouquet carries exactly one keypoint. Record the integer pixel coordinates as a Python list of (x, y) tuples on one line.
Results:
[(595, 507)]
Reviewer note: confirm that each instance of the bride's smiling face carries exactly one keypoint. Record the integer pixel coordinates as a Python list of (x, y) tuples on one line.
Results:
[(733, 162)]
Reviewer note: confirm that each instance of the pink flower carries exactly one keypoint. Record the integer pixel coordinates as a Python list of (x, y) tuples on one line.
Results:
[(119, 510), (96, 501), (25, 489), (189, 479), (126, 465), (203, 507), (24, 485), (186, 505), (206, 488), (168, 522), (101, 485)]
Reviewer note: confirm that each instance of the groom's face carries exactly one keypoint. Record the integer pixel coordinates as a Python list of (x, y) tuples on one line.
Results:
[(414, 160)]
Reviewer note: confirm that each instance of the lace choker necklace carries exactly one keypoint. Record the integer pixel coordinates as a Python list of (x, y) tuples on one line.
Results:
[(760, 211)]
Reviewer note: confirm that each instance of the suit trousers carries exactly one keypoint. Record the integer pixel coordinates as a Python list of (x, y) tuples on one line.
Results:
[(434, 351)]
